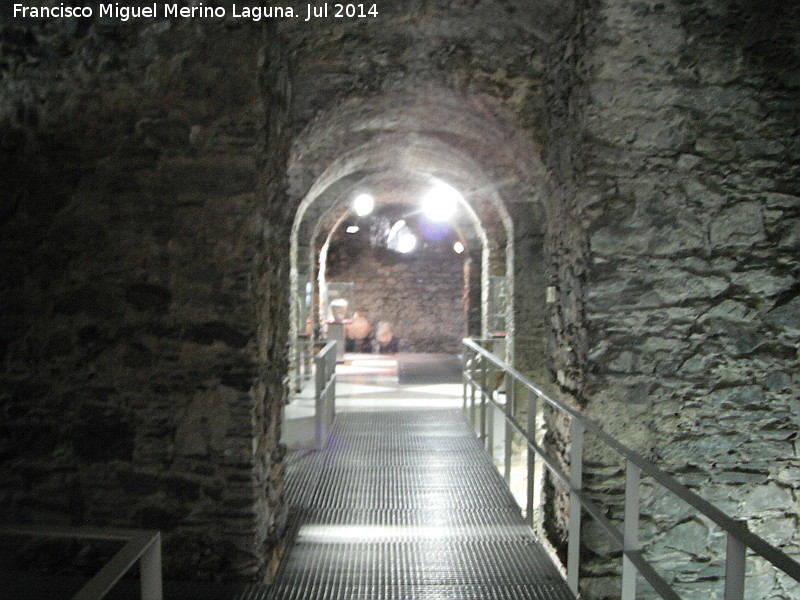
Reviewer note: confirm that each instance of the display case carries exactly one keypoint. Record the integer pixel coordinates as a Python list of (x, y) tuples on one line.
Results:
[(337, 300), (337, 303)]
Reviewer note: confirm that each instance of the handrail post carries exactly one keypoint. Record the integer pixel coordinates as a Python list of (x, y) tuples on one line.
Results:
[(630, 531), (490, 410), (319, 407), (509, 414), (484, 377), (472, 410), (735, 558), (576, 483), (150, 571), (464, 375), (331, 393), (324, 393), (489, 441), (532, 402)]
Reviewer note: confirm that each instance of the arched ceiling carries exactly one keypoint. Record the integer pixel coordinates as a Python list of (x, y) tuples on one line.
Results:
[(415, 136), (475, 127), (397, 196), (429, 90)]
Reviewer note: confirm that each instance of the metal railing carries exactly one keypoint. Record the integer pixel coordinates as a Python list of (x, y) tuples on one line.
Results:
[(143, 546), (484, 373), (324, 393)]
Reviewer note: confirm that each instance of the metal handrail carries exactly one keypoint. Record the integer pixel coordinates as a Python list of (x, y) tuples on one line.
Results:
[(739, 537), (142, 545), (324, 393)]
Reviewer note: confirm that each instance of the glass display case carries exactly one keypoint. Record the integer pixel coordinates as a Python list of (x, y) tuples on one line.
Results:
[(337, 300), (337, 303)]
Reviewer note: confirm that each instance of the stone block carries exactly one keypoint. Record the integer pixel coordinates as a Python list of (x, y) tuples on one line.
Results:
[(778, 381), (690, 537), (102, 433), (141, 483), (28, 439), (759, 148), (180, 488), (88, 300), (786, 316), (740, 477), (58, 344), (203, 177), (740, 225), (764, 498), (159, 516), (163, 133), (213, 331), (675, 287), (137, 355), (736, 339), (763, 282), (147, 297)]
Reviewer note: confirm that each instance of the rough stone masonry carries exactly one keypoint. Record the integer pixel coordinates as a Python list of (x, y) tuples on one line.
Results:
[(646, 151)]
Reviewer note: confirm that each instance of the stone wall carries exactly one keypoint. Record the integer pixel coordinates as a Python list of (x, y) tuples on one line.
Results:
[(530, 286), (421, 293), (677, 165), (143, 242), (144, 238)]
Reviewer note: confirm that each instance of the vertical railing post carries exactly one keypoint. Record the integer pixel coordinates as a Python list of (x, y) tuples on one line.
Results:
[(532, 406), (576, 483), (308, 354), (298, 368), (484, 376), (735, 558), (150, 571), (331, 395), (508, 431), (464, 374), (324, 386), (489, 441), (490, 410), (319, 405), (630, 529), (473, 415)]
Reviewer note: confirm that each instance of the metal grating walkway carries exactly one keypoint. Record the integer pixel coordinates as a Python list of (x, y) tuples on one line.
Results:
[(406, 504)]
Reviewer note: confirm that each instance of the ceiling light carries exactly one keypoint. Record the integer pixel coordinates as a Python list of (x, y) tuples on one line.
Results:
[(363, 204), (406, 242), (458, 247), (400, 238), (352, 229), (396, 228), (440, 202)]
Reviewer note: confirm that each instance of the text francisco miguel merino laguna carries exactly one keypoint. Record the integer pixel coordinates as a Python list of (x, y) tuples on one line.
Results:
[(255, 13)]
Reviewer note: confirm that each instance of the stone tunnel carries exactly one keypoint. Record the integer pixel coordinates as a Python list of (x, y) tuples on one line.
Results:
[(628, 170)]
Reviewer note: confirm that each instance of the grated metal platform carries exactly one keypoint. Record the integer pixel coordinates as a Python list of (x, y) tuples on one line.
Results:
[(406, 505)]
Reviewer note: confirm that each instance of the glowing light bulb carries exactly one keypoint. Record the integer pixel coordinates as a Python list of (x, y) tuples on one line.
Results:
[(400, 238), (458, 247), (440, 202), (406, 242), (363, 204)]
